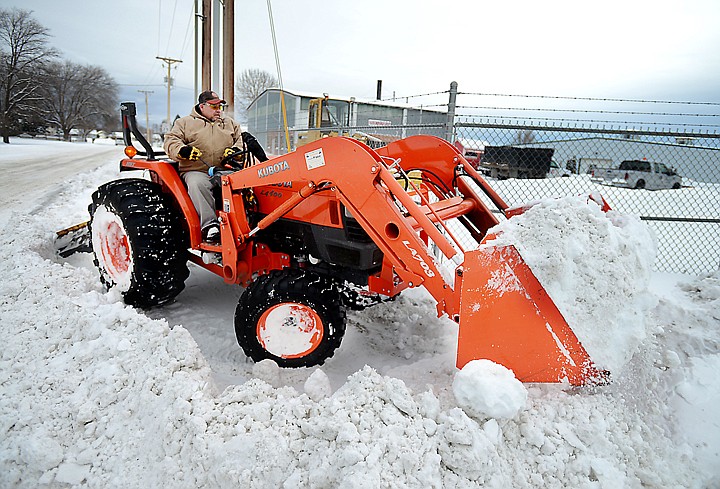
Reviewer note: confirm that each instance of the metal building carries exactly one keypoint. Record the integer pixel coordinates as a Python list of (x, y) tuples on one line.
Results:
[(378, 121)]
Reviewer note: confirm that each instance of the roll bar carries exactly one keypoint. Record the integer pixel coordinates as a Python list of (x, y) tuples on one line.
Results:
[(128, 114)]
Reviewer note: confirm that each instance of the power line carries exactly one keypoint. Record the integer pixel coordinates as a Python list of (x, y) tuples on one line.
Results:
[(157, 49), (588, 111), (560, 97), (413, 96), (592, 121), (172, 25), (280, 80), (187, 30), (593, 99)]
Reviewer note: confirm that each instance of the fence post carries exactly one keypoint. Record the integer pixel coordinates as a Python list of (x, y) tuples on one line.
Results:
[(450, 125)]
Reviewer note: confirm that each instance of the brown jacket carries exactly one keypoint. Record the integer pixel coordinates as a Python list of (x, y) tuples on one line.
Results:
[(211, 138)]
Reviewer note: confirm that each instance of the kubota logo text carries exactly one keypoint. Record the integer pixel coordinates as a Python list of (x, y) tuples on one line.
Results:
[(426, 268), (272, 169)]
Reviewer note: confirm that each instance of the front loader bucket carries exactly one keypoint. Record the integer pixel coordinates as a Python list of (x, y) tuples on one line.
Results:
[(506, 316)]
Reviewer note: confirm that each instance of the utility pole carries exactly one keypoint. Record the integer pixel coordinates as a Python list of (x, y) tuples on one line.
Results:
[(216, 60), (147, 113), (229, 56), (206, 45), (169, 62), (198, 17)]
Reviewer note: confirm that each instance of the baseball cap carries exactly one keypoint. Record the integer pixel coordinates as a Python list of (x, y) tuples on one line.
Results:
[(210, 97)]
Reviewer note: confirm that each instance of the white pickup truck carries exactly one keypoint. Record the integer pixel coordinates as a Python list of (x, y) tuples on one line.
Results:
[(638, 174)]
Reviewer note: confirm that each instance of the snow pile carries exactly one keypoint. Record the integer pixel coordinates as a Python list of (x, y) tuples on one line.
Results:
[(90, 381), (99, 395), (694, 353), (595, 266), (485, 389)]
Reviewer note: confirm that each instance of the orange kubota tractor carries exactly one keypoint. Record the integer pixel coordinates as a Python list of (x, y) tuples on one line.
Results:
[(334, 225)]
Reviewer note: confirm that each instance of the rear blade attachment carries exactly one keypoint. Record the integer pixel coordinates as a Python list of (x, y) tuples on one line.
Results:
[(75, 239), (507, 316)]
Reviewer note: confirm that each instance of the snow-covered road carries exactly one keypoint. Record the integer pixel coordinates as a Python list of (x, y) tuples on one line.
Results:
[(31, 180)]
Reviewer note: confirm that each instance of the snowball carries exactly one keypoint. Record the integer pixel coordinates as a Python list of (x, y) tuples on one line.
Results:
[(268, 371), (484, 389), (317, 386)]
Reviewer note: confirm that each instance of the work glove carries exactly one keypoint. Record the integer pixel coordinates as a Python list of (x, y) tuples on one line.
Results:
[(190, 153), (229, 151)]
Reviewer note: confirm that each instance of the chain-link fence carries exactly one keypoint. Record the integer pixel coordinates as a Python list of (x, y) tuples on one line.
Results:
[(680, 200)]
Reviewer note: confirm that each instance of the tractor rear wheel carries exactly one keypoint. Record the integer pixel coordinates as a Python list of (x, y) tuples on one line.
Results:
[(138, 241), (292, 317)]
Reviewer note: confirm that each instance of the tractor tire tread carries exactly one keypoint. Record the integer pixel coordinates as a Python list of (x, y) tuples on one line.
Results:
[(291, 285), (157, 238)]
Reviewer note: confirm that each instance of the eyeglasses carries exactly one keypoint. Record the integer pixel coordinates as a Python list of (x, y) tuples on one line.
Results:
[(216, 106)]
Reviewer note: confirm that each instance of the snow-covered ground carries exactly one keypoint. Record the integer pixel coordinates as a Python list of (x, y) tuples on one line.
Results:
[(96, 394)]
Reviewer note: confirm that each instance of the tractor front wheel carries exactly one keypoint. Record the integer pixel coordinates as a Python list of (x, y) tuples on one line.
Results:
[(292, 317)]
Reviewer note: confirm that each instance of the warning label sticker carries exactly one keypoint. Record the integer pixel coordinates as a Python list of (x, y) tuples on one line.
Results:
[(315, 159)]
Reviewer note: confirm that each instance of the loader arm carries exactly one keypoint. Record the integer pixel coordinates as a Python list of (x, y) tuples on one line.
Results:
[(366, 183)]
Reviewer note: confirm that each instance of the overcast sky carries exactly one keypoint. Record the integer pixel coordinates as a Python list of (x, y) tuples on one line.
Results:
[(648, 49)]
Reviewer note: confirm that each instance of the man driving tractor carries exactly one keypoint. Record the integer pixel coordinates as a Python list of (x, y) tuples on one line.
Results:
[(201, 141)]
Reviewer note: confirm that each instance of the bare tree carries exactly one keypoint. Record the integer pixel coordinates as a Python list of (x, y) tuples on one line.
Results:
[(23, 52), (251, 83), (78, 97)]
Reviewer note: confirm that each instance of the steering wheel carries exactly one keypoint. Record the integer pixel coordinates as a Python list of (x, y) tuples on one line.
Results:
[(229, 160)]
